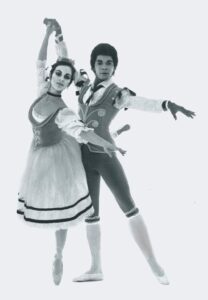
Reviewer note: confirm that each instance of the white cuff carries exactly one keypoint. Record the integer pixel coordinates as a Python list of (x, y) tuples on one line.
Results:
[(166, 104), (79, 131), (59, 38)]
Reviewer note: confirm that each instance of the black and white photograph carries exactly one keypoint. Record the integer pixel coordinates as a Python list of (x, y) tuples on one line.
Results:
[(103, 149)]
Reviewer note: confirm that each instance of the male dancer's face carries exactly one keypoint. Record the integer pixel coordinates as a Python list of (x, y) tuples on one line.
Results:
[(104, 67)]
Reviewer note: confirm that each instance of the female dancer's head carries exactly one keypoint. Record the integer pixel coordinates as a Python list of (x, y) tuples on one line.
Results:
[(61, 75)]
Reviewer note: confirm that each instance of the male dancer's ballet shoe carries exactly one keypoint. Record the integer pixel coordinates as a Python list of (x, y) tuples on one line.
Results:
[(158, 272), (162, 279), (57, 270), (89, 277)]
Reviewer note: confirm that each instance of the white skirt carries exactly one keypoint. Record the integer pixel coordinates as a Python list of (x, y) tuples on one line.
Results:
[(54, 192)]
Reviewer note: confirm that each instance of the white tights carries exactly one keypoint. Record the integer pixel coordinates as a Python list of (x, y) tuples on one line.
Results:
[(60, 235)]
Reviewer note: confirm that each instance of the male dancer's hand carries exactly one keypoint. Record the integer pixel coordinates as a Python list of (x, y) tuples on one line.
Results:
[(124, 128), (174, 108)]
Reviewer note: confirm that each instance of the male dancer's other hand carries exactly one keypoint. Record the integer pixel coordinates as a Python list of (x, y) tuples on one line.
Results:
[(174, 108), (53, 22), (126, 127)]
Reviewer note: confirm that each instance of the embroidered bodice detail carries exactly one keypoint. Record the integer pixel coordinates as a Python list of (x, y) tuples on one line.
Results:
[(99, 115)]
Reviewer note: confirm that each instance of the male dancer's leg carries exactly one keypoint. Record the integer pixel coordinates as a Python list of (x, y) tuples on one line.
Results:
[(114, 176)]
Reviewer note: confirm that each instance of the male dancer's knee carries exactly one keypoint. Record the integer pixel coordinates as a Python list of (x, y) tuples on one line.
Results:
[(134, 211), (91, 220)]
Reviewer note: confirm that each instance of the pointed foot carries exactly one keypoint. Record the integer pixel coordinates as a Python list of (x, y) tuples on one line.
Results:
[(57, 270)]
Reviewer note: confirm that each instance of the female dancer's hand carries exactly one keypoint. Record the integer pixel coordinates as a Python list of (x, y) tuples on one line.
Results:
[(123, 152), (91, 137), (112, 148), (49, 29), (174, 108), (54, 24), (80, 78)]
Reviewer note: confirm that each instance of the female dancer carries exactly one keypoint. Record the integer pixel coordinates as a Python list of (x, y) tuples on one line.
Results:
[(54, 192)]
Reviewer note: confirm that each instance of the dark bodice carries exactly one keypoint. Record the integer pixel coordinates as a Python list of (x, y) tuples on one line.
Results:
[(46, 133)]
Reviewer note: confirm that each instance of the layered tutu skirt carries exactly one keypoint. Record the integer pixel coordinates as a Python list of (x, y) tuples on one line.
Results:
[(53, 191)]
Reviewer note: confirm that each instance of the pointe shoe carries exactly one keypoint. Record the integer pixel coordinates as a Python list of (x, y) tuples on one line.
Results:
[(89, 277), (57, 270)]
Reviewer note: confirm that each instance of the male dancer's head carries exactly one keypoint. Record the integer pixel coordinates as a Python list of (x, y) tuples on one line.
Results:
[(103, 61)]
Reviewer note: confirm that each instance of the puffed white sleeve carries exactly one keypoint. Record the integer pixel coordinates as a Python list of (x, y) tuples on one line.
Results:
[(42, 84), (137, 102), (69, 122)]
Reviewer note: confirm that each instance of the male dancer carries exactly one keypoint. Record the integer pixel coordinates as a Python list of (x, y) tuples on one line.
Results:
[(99, 103)]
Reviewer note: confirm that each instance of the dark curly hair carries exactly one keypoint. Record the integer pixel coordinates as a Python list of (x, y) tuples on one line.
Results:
[(103, 49), (63, 62)]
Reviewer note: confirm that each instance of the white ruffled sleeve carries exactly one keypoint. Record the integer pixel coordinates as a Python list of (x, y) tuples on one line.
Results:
[(137, 102), (42, 84), (69, 122)]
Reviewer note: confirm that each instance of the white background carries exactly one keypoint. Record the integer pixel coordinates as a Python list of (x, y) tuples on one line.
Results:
[(162, 54)]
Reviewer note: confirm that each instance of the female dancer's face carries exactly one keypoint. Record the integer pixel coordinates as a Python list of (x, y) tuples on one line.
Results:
[(104, 67), (61, 78)]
